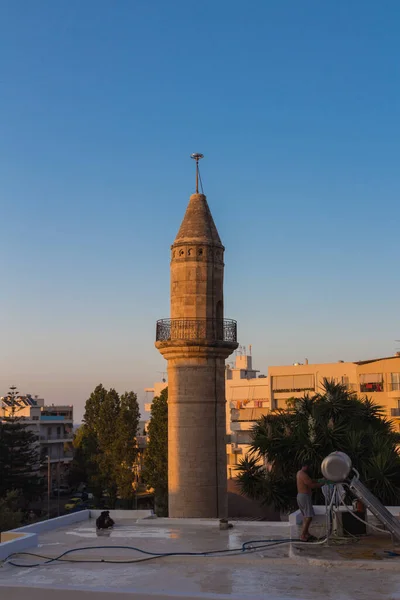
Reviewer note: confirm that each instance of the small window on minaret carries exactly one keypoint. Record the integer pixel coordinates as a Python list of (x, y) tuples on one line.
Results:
[(181, 252), (200, 251), (190, 252)]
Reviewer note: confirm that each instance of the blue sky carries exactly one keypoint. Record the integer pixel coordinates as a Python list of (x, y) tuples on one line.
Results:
[(296, 108)]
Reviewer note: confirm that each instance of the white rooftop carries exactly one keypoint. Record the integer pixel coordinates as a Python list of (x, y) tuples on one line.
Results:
[(266, 573)]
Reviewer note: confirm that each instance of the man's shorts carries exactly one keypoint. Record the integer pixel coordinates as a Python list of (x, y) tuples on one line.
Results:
[(304, 502)]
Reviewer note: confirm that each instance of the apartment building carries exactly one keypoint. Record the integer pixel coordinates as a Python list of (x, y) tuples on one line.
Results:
[(156, 390), (378, 378), (249, 395), (53, 425), (247, 399)]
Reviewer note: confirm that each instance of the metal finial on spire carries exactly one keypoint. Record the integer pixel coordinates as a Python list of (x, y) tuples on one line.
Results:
[(197, 156)]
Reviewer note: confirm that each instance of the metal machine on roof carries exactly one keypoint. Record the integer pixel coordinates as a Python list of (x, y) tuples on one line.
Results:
[(337, 467)]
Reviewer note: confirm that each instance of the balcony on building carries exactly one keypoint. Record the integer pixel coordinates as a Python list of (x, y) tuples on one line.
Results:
[(243, 419), (57, 437), (371, 382), (57, 413), (291, 386), (211, 330)]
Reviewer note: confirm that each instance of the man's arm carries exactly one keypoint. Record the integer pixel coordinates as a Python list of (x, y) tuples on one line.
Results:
[(309, 482)]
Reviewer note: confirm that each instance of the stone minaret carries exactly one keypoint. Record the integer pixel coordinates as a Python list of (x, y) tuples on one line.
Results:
[(196, 341)]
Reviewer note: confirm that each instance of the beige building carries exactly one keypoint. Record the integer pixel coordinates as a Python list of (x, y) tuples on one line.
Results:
[(156, 390), (53, 426), (247, 399), (377, 378), (250, 395)]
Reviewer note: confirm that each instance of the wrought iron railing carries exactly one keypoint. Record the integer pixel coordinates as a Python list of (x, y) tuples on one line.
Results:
[(213, 330)]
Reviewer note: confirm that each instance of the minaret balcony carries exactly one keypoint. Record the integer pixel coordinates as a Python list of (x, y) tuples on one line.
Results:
[(210, 330)]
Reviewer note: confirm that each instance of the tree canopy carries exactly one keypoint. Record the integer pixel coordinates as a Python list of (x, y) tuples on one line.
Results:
[(155, 471), (11, 515), (105, 445), (312, 428)]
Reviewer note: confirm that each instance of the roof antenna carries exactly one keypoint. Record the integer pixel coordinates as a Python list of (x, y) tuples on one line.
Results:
[(197, 156)]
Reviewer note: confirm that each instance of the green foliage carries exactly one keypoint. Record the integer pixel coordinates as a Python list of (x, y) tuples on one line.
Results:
[(155, 471), (92, 408), (84, 467), (105, 445), (312, 428), (127, 426), (10, 513)]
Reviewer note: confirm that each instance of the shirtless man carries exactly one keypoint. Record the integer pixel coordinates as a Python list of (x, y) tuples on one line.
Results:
[(305, 485)]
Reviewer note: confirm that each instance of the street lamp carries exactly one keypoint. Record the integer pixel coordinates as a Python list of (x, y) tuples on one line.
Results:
[(48, 484), (42, 463)]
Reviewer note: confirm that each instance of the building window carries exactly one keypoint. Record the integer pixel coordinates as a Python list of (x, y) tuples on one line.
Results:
[(293, 383), (394, 382), (371, 382)]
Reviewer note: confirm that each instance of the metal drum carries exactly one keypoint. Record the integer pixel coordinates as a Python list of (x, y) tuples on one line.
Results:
[(336, 466)]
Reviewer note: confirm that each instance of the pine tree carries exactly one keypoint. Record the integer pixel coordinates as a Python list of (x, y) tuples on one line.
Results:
[(155, 471), (19, 455)]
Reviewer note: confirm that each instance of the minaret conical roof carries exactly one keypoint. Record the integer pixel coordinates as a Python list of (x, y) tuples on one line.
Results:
[(198, 224)]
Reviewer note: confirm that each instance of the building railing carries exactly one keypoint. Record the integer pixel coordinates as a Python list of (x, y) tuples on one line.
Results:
[(395, 412), (57, 436), (294, 390), (213, 330), (55, 417), (371, 387), (248, 414)]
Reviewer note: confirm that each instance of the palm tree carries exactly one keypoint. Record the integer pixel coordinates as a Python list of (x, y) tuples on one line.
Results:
[(312, 428)]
